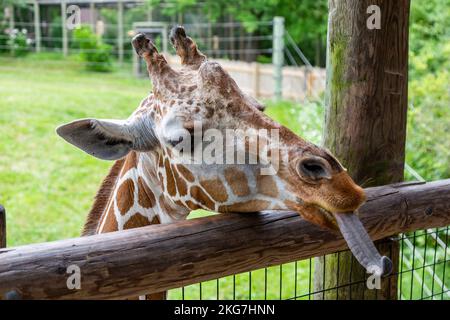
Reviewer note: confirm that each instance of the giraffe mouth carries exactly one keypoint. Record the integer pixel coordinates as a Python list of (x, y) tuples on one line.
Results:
[(358, 241)]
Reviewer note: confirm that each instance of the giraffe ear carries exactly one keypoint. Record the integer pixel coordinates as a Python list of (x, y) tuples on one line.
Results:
[(108, 139)]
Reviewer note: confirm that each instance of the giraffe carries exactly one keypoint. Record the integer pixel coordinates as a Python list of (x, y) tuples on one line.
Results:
[(150, 183)]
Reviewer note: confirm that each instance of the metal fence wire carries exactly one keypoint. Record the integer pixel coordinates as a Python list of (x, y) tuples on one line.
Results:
[(230, 40), (423, 274), (224, 40)]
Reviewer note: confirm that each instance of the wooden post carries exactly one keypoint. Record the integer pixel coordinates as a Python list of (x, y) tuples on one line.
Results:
[(2, 227), (92, 15), (11, 22), (11, 16), (37, 26), (210, 35), (150, 13), (365, 120), (241, 43), (165, 39), (231, 35), (278, 56), (120, 30), (65, 41), (256, 76)]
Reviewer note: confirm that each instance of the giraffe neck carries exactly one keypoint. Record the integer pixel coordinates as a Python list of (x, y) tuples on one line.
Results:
[(132, 196), (145, 188)]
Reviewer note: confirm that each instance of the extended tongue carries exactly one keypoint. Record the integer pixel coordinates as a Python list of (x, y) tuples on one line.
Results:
[(361, 245)]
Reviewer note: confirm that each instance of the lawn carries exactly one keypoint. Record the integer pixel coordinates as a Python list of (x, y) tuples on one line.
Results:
[(46, 185)]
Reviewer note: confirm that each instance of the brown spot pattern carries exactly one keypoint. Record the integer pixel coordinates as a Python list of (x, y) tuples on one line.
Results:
[(110, 222), (191, 205), (137, 220), (161, 178), (248, 206), (125, 196), (146, 196), (237, 181), (156, 220), (185, 173), (216, 189), (201, 197), (130, 162), (267, 186), (181, 184), (171, 188)]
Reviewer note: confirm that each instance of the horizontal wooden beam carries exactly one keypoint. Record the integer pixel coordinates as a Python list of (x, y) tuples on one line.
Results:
[(162, 257)]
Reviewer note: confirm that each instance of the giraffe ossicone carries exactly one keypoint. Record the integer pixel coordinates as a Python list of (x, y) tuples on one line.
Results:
[(151, 182)]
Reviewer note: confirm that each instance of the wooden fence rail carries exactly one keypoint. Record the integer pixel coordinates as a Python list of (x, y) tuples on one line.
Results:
[(162, 257)]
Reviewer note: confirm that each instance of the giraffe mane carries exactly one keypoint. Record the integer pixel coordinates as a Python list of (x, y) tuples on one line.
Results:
[(101, 199)]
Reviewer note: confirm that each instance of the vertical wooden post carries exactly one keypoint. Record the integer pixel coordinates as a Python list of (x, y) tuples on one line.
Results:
[(11, 23), (165, 40), (210, 35), (278, 56), (231, 35), (92, 15), (365, 120), (120, 30), (2, 227), (256, 76), (37, 26), (241, 43), (11, 17), (65, 41), (150, 13)]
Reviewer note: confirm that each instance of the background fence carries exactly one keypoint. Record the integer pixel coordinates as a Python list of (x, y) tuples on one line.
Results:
[(43, 28)]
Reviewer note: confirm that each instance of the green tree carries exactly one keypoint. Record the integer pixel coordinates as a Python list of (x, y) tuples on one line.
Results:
[(428, 144), (306, 20)]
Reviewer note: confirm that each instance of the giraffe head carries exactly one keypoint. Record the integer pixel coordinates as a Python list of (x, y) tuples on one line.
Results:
[(214, 148)]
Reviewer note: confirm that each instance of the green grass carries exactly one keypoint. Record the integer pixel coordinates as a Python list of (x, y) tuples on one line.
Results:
[(46, 185)]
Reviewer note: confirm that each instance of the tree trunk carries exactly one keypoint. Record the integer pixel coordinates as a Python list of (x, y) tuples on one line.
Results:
[(365, 121)]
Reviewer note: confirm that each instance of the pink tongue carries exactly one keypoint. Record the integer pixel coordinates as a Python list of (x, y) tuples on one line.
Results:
[(362, 246)]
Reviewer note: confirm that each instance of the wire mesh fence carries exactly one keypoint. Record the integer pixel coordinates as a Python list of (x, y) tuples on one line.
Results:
[(218, 40), (423, 274), (222, 40)]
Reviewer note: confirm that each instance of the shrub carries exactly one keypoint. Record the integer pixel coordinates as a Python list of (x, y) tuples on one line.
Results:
[(428, 144), (18, 42), (93, 51)]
